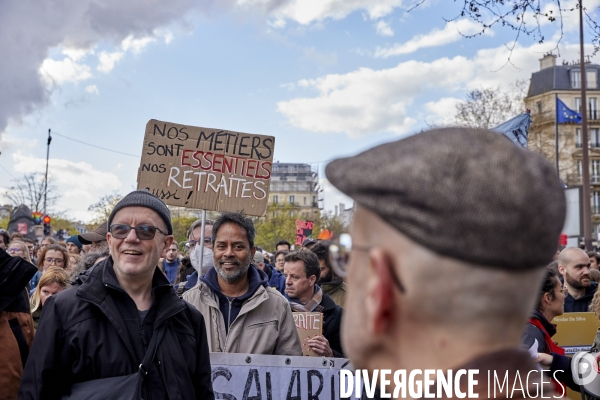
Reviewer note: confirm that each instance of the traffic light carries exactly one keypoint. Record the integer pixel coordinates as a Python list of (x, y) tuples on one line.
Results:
[(47, 228)]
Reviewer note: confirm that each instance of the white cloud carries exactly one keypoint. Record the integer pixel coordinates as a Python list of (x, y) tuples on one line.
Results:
[(368, 101), (29, 31), (136, 45), (66, 70), (77, 54), (452, 32), (442, 111), (306, 12), (78, 183), (108, 60), (288, 86), (383, 29), (93, 89)]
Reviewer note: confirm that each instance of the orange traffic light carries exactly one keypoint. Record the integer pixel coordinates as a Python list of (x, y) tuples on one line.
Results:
[(46, 219)]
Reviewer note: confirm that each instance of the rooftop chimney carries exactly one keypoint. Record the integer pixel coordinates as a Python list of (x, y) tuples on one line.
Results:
[(548, 61)]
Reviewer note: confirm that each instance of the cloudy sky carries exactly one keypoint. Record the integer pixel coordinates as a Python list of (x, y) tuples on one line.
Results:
[(327, 78)]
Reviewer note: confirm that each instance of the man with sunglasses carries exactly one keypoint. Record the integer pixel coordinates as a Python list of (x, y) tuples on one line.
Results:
[(451, 233), (103, 327)]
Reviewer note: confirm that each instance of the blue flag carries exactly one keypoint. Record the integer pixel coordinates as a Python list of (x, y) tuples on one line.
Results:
[(516, 129), (564, 114)]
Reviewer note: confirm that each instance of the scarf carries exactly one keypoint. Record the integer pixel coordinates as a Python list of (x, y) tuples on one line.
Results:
[(314, 304)]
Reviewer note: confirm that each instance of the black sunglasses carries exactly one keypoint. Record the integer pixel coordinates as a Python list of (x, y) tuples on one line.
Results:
[(143, 232)]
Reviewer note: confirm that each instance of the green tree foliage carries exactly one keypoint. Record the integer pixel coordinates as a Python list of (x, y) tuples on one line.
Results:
[(180, 228), (280, 223)]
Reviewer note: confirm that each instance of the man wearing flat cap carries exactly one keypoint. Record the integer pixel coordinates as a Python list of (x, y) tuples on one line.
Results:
[(94, 240), (452, 230), (104, 327)]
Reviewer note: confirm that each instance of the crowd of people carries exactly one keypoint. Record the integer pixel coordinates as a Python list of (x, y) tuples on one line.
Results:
[(445, 272)]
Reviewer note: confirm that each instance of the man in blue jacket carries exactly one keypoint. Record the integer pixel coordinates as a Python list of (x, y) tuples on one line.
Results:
[(276, 278)]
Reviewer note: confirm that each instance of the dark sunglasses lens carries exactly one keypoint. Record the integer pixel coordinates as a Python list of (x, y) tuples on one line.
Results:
[(145, 232), (120, 231)]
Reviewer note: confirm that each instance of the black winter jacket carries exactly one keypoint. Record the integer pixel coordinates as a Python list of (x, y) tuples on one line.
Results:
[(94, 331), (581, 304), (332, 320)]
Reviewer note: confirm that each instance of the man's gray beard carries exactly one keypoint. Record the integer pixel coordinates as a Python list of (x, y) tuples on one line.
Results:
[(234, 276), (575, 284)]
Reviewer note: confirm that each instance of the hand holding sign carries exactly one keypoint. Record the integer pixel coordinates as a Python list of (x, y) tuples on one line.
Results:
[(320, 345)]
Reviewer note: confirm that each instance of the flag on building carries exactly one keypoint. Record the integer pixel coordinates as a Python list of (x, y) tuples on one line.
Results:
[(516, 129), (565, 115)]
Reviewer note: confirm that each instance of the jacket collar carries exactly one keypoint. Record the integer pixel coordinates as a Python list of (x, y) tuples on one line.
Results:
[(550, 328), (102, 279)]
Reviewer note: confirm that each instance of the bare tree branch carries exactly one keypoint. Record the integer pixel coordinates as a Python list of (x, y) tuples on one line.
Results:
[(29, 190)]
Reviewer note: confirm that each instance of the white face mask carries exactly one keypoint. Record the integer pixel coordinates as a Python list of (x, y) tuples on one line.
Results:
[(207, 259)]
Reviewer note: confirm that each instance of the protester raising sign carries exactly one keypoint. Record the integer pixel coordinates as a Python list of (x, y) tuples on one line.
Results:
[(208, 169), (309, 325)]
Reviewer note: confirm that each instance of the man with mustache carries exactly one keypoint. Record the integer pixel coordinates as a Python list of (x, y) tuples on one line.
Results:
[(574, 266), (242, 313)]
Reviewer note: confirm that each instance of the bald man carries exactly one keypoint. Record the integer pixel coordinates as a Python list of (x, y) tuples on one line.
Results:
[(574, 266)]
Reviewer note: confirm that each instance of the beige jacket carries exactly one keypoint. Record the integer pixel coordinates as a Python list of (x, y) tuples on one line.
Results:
[(265, 324)]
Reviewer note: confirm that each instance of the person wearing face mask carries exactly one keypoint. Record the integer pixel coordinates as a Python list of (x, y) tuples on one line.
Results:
[(197, 251)]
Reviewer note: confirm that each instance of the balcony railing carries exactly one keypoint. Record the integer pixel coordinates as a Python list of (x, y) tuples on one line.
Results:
[(591, 144), (576, 179), (595, 210), (593, 115)]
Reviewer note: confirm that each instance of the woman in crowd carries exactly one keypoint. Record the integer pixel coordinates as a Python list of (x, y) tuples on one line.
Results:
[(54, 280), (50, 255), (18, 248), (550, 304)]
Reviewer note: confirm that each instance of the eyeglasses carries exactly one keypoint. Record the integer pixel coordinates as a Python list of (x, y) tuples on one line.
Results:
[(143, 232), (564, 291), (192, 243), (282, 261), (14, 250), (57, 261), (339, 255)]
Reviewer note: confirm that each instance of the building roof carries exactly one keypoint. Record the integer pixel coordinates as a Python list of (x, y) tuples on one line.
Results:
[(556, 78)]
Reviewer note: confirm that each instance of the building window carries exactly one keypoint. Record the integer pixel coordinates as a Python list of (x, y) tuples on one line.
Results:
[(304, 200), (275, 199), (576, 79), (578, 142), (591, 79), (595, 175), (595, 202), (292, 199), (593, 108), (577, 104), (538, 106), (594, 137)]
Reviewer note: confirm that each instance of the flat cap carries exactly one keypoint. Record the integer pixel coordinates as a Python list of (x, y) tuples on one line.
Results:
[(143, 198), (97, 235), (469, 194)]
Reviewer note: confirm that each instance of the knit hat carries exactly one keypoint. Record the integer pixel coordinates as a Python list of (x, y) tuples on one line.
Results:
[(143, 198), (73, 239)]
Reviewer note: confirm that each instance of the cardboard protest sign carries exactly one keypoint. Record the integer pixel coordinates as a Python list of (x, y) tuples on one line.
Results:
[(576, 331), (208, 169), (309, 325), (303, 230)]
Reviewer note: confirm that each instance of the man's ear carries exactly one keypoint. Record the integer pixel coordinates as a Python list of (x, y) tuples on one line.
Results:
[(380, 292), (167, 243), (561, 269)]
